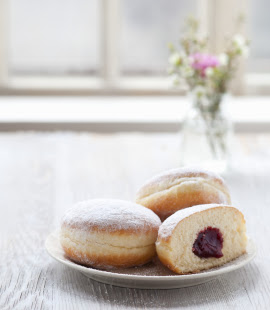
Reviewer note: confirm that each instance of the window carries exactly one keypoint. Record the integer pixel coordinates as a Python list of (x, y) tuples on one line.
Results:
[(257, 75), (53, 37), (259, 28), (115, 46), (146, 28)]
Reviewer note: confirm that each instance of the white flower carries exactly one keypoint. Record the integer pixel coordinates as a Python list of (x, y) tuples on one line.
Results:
[(241, 45), (199, 91), (239, 40), (175, 59), (223, 59), (187, 71), (244, 50), (209, 71)]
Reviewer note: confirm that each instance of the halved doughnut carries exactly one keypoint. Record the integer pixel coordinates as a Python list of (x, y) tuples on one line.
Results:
[(201, 237)]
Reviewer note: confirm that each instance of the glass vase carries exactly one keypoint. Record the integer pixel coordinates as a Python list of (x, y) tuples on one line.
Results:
[(207, 134)]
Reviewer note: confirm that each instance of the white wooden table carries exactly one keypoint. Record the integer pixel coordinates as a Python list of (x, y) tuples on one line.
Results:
[(43, 174)]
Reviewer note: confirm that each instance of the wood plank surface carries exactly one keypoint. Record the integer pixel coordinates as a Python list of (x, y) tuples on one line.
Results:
[(43, 174)]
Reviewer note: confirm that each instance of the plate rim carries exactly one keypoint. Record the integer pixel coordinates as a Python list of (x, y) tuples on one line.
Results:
[(206, 274)]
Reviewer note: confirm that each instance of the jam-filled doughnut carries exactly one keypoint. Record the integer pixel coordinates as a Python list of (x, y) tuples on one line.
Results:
[(180, 188), (201, 237), (106, 233)]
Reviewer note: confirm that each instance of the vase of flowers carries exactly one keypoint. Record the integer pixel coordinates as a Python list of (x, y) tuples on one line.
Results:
[(207, 129), (207, 134)]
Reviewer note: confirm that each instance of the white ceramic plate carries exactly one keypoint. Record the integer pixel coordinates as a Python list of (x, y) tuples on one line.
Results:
[(150, 276)]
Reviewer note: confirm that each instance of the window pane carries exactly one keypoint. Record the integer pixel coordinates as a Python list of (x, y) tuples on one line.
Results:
[(259, 30), (147, 27), (54, 36)]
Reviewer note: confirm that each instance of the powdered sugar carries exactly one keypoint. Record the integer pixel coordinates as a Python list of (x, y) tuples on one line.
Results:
[(112, 215), (195, 171), (168, 226), (168, 178)]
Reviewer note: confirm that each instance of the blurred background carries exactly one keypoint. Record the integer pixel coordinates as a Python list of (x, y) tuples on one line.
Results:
[(115, 48)]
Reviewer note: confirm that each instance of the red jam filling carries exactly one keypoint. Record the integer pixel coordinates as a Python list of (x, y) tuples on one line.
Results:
[(209, 243)]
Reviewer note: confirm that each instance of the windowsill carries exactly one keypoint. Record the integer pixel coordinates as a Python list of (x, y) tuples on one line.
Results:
[(108, 114), (88, 86)]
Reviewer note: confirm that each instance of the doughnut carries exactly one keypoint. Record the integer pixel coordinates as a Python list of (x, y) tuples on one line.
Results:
[(201, 237), (106, 233), (180, 188)]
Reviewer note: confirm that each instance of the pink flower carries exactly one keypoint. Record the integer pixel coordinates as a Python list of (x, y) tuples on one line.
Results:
[(203, 61)]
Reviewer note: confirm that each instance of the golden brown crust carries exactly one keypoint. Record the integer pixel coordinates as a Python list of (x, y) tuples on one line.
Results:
[(168, 203), (166, 262), (181, 189), (110, 261)]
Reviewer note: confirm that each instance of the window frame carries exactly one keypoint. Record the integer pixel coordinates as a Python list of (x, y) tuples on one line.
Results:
[(109, 82)]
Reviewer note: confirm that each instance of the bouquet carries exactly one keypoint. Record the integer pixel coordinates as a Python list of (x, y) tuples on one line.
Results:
[(207, 75)]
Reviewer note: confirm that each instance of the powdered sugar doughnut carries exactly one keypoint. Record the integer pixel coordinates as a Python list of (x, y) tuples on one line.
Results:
[(180, 188), (106, 233), (201, 237)]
